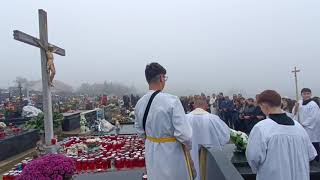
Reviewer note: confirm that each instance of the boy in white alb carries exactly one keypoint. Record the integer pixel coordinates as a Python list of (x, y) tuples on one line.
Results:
[(278, 147), (307, 113), (160, 117)]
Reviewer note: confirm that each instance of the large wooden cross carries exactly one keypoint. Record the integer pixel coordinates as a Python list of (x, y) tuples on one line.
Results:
[(295, 72), (46, 90)]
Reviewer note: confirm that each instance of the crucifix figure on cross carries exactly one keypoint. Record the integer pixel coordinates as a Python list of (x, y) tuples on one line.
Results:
[(47, 68), (50, 64)]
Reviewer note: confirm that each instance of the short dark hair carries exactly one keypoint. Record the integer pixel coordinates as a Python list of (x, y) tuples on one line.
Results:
[(270, 97), (153, 70), (251, 99), (306, 90)]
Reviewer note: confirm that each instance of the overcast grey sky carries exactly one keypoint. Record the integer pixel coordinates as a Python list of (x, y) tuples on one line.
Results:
[(207, 45)]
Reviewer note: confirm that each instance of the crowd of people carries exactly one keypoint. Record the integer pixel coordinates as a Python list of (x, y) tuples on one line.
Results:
[(239, 113)]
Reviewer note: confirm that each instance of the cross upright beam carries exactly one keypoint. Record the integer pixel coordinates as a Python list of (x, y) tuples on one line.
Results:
[(46, 90), (295, 71)]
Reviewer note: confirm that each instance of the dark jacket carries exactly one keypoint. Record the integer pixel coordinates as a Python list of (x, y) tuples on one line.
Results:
[(250, 111), (228, 105)]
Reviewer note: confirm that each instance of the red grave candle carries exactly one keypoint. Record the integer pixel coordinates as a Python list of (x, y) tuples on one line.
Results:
[(79, 165), (128, 162), (85, 164), (5, 176), (104, 163), (2, 135), (92, 165), (53, 141)]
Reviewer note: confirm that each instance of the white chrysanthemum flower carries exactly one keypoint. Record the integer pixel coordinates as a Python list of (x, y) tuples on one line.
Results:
[(244, 136), (3, 125)]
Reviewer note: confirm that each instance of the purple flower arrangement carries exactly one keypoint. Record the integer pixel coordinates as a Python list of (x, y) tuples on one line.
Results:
[(49, 167)]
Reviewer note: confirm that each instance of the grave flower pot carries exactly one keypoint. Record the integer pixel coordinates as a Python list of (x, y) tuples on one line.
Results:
[(51, 166)]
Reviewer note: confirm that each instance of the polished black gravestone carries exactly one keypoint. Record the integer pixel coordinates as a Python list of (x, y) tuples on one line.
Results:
[(220, 161), (71, 121), (16, 121), (239, 160), (16, 144), (91, 116), (214, 164)]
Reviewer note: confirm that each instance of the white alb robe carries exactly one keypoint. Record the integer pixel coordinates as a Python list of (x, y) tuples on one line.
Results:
[(280, 152), (309, 118), (164, 161), (212, 108), (208, 130)]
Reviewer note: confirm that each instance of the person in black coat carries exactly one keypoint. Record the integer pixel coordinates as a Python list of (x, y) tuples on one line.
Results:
[(249, 115), (227, 107)]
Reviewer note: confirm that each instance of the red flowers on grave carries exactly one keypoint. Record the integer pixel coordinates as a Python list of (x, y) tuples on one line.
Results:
[(51, 167)]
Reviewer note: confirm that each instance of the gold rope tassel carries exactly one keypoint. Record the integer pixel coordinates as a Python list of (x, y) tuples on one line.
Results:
[(187, 158), (203, 163)]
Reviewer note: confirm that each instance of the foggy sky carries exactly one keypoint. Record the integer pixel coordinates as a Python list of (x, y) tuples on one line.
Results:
[(206, 46)]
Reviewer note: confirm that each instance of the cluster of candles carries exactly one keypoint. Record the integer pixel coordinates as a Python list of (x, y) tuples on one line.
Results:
[(14, 129), (2, 134), (115, 152), (16, 171)]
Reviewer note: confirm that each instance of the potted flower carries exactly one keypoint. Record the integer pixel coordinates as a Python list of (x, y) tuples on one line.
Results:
[(2, 125), (83, 124), (38, 123), (240, 140), (52, 166), (93, 142), (77, 149)]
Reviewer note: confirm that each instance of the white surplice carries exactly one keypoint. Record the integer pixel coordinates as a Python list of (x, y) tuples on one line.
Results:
[(213, 107), (309, 118), (280, 152), (164, 161), (208, 130)]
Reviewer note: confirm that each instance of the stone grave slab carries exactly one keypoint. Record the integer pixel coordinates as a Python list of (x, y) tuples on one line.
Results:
[(71, 121), (17, 144)]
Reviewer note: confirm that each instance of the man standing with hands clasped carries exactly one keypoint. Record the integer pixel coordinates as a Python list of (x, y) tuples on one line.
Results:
[(161, 119)]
